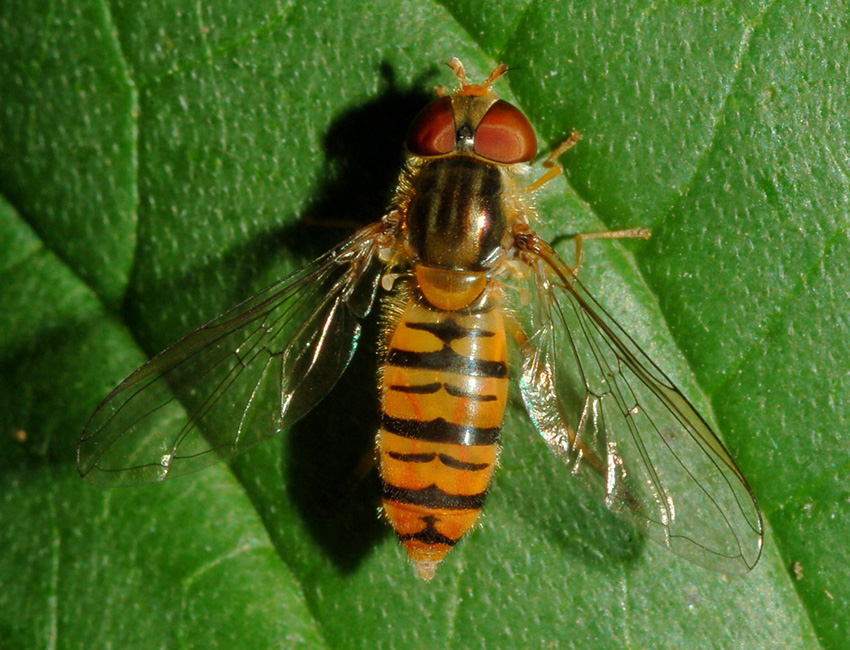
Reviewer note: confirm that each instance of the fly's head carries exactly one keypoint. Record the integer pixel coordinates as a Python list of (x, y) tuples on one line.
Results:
[(473, 121)]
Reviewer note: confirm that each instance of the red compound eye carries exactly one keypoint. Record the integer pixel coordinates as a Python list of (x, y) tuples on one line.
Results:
[(432, 132), (504, 135)]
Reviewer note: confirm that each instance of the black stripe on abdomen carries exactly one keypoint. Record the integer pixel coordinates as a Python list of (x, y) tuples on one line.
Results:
[(454, 391), (447, 360), (433, 497), (429, 535), (445, 459), (448, 330), (439, 430), (418, 389)]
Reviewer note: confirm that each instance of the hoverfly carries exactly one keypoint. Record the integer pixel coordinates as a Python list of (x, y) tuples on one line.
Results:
[(461, 271)]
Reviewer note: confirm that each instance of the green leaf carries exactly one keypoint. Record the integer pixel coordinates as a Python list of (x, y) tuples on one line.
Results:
[(158, 161)]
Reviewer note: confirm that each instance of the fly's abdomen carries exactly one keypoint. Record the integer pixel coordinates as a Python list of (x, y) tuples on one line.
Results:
[(445, 383)]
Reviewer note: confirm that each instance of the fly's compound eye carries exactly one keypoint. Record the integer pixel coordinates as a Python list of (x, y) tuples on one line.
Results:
[(432, 132), (504, 135)]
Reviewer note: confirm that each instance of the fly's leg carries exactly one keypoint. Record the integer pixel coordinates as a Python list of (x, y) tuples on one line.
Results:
[(530, 242), (579, 452), (576, 445), (554, 168), (368, 462), (631, 233)]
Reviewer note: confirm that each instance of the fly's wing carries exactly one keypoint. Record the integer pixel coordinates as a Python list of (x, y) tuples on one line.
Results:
[(240, 378), (627, 432)]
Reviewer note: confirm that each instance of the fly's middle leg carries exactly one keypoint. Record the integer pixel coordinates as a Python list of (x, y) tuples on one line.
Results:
[(631, 233), (531, 243)]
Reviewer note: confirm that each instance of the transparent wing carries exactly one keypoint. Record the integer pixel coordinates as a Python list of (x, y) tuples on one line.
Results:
[(241, 378), (626, 431)]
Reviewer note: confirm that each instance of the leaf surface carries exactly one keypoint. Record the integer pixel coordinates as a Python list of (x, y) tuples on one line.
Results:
[(160, 161)]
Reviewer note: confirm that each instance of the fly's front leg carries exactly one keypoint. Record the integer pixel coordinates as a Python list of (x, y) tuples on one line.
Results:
[(554, 168)]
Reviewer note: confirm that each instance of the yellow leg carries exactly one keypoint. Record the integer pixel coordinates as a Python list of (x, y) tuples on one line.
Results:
[(578, 448), (631, 233), (555, 169)]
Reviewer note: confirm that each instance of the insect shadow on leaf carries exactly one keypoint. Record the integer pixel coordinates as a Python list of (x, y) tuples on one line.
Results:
[(330, 471), (322, 456)]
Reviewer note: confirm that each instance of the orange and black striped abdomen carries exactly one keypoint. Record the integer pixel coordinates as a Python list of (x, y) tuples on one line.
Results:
[(445, 383)]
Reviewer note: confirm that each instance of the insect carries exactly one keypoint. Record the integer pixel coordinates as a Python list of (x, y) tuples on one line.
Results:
[(460, 272)]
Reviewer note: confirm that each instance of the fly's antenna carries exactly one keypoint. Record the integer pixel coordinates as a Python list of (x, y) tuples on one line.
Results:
[(457, 67), (497, 72), (475, 89)]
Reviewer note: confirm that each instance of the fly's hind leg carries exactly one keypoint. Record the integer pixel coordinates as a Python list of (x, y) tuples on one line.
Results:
[(577, 448), (562, 436)]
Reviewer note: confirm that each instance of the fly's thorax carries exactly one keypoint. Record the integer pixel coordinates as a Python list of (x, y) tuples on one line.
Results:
[(457, 215)]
